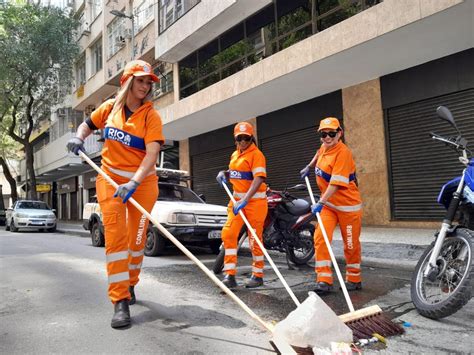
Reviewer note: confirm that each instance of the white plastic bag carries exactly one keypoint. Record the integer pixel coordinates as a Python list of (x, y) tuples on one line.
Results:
[(313, 324)]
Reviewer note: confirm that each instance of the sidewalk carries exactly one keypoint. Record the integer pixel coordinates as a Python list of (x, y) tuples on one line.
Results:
[(381, 246)]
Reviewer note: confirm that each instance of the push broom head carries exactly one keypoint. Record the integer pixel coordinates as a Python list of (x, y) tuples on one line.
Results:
[(368, 321)]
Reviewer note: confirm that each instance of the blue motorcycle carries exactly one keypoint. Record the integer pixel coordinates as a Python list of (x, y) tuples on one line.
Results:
[(442, 282)]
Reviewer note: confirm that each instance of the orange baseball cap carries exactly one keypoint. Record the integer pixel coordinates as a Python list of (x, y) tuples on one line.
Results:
[(243, 128), (329, 123), (137, 68)]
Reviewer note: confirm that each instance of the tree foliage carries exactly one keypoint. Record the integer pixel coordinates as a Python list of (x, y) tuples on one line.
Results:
[(37, 54)]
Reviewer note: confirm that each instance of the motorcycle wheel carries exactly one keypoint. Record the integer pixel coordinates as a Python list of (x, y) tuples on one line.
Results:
[(219, 262), (452, 288), (302, 252)]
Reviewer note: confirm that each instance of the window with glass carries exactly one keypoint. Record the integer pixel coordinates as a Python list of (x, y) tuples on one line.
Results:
[(164, 72), (169, 11), (274, 28), (143, 14), (95, 8), (96, 56), (81, 71), (115, 34)]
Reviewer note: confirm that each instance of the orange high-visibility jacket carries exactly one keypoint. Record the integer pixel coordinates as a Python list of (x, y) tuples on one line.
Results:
[(243, 167), (337, 167), (125, 140)]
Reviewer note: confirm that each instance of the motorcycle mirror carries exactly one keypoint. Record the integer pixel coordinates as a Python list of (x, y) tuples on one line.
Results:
[(444, 113)]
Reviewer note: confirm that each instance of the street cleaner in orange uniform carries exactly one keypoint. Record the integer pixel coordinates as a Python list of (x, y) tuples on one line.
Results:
[(247, 174), (340, 202), (133, 137)]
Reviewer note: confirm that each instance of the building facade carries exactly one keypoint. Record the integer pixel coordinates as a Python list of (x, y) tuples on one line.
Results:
[(382, 67)]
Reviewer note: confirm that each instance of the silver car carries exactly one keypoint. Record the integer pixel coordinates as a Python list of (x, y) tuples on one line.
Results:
[(30, 215)]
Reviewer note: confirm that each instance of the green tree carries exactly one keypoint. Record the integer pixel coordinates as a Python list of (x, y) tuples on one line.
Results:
[(9, 151), (37, 53)]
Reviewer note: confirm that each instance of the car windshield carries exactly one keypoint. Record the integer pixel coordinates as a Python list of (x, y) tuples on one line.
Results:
[(171, 192), (33, 205)]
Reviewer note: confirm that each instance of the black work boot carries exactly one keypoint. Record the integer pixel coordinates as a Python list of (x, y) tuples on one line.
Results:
[(353, 286), (131, 289), (254, 281), (323, 288), (229, 281), (121, 316)]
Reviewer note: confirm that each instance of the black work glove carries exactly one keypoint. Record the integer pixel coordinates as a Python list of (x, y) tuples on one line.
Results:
[(75, 144)]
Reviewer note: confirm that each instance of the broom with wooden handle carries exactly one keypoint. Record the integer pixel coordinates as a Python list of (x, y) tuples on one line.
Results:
[(176, 242), (366, 321)]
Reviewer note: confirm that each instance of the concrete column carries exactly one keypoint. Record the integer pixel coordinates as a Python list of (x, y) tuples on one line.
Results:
[(365, 135), (184, 158)]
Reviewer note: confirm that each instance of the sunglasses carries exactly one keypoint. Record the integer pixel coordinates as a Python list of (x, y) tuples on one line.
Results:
[(330, 134), (244, 138)]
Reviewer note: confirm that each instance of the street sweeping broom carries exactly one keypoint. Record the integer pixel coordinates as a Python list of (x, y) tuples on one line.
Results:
[(364, 322)]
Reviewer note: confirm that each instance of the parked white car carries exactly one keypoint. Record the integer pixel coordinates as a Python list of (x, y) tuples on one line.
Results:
[(179, 209), (26, 214)]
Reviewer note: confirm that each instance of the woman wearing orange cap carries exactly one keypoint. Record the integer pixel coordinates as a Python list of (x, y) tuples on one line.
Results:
[(247, 174), (340, 202), (133, 137)]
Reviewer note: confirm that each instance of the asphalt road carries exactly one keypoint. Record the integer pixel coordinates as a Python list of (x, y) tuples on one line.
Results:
[(54, 300)]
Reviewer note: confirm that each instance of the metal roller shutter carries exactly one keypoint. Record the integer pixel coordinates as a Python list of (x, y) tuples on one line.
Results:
[(205, 168), (287, 154), (419, 166)]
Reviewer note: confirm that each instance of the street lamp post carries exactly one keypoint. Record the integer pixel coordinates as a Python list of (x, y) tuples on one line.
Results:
[(131, 17)]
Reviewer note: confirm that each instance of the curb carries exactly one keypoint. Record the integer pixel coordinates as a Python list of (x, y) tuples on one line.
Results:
[(75, 232)]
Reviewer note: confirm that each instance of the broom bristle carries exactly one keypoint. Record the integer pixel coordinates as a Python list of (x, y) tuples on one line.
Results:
[(364, 327)]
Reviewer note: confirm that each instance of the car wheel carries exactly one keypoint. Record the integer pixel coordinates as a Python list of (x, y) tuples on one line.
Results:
[(12, 226), (52, 229), (98, 239), (7, 227), (215, 246), (155, 244)]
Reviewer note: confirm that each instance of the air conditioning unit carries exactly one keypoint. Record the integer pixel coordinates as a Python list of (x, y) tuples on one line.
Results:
[(86, 30), (62, 112)]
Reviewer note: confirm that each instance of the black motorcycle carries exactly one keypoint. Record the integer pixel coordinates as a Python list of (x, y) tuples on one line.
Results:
[(287, 228)]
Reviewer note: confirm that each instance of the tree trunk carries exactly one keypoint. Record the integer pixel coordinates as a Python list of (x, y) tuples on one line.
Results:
[(30, 171), (10, 179)]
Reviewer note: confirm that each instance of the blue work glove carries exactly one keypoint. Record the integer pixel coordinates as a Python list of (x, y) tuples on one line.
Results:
[(305, 172), (75, 144), (222, 177), (126, 190), (238, 205), (317, 208)]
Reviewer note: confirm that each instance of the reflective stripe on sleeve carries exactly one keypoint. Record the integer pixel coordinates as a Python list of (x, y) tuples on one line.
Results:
[(122, 276), (340, 178), (136, 253), (120, 255), (259, 170)]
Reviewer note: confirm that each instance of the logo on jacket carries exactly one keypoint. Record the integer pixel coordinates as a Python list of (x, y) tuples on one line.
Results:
[(118, 135), (234, 174), (318, 172)]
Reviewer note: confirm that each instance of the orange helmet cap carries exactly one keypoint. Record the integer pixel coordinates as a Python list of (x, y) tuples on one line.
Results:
[(137, 68), (243, 128), (329, 123)]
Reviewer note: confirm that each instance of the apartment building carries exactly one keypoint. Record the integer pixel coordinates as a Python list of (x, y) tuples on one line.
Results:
[(382, 67)]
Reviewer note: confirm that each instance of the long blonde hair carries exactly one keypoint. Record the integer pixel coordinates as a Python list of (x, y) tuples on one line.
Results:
[(122, 94)]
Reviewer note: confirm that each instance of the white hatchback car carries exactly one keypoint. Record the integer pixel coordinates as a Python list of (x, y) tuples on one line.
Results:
[(30, 215)]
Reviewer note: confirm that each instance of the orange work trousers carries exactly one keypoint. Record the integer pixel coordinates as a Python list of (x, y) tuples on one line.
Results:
[(256, 212), (350, 225), (125, 230)]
